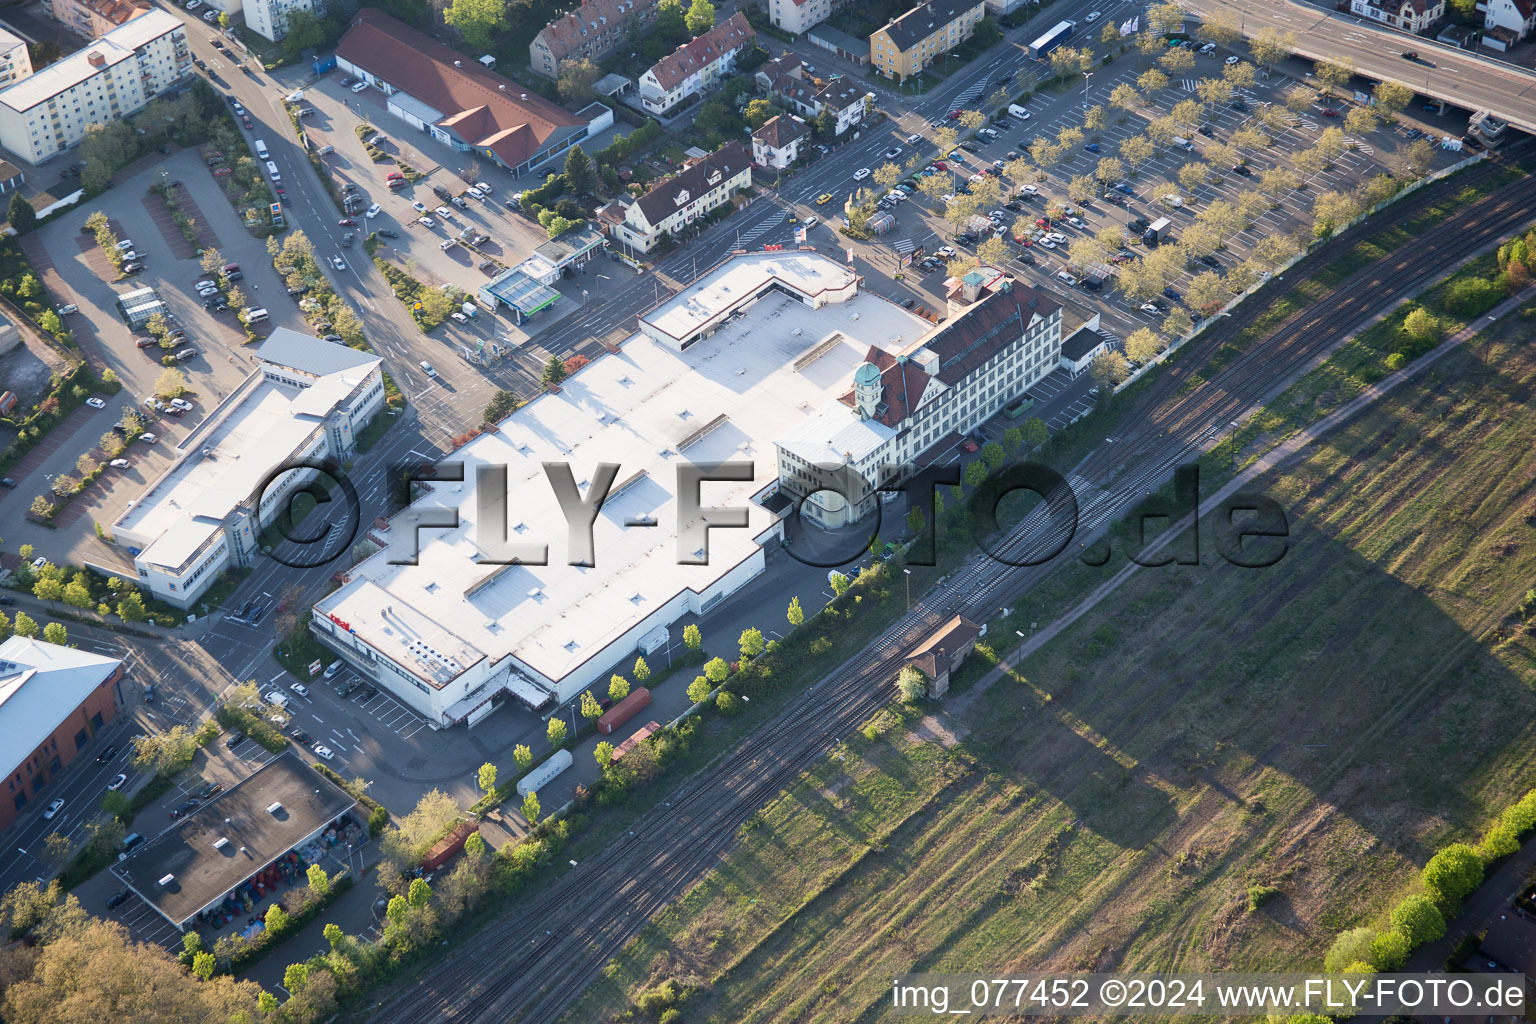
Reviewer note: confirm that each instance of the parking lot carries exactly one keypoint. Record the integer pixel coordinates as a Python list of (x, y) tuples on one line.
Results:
[(1045, 263)]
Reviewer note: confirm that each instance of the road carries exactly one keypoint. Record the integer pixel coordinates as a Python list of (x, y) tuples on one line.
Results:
[(1459, 77), (532, 963)]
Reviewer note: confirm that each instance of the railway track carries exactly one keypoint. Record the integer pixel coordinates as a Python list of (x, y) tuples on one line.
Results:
[(531, 964)]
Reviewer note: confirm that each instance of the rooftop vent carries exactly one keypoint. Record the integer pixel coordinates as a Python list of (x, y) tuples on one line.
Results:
[(571, 646), (274, 807), (167, 880), (222, 842)]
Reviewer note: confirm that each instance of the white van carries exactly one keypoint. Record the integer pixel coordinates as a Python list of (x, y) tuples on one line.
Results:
[(260, 148), (1017, 111), (272, 171), (333, 668), (255, 314), (1183, 143)]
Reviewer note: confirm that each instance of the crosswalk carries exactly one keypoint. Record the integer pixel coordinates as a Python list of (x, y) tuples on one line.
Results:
[(754, 233), (1189, 84)]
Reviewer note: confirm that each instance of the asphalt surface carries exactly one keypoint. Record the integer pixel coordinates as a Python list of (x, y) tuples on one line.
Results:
[(1460, 77)]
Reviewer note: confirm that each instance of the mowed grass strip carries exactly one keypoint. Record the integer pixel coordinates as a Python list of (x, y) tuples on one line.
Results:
[(1318, 727)]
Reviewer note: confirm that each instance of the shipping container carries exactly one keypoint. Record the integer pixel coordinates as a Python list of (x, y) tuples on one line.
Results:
[(324, 64), (449, 845), (624, 710), (1157, 231), (1052, 39), (641, 735), (557, 763)]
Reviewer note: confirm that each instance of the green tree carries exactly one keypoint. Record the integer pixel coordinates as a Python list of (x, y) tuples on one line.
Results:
[(642, 671), (554, 370), (131, 607), (531, 807), (296, 977), (992, 453), (577, 77), (1417, 917), (1451, 874), (1389, 950), (116, 804), (692, 638), (319, 881), (700, 18), (839, 583), (25, 625), (618, 687), (975, 473), (603, 753), (556, 732), (727, 703), (671, 19), (478, 21), (398, 910), (523, 756), (795, 614), (55, 633), (487, 777), (22, 215), (580, 174), (758, 113), (276, 919), (751, 642), (915, 521), (419, 894), (716, 670), (590, 708), (911, 684), (1420, 324), (1351, 947), (203, 965), (698, 690)]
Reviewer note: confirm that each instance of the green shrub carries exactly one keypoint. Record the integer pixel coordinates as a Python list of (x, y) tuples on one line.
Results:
[(1472, 296), (1389, 950), (1353, 946), (1451, 874), (1417, 918), (1258, 895)]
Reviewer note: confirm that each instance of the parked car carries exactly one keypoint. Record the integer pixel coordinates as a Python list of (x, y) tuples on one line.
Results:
[(53, 809), (300, 689), (184, 808), (118, 463), (324, 752), (386, 233), (126, 894), (107, 755), (234, 739)]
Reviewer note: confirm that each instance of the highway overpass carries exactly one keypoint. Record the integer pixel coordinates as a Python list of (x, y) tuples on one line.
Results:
[(1460, 77)]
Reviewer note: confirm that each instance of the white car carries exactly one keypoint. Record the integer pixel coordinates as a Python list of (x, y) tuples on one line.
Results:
[(893, 153), (54, 808), (426, 368), (419, 206), (947, 197), (211, 17), (1147, 307), (39, 562), (300, 689), (372, 211), (149, 438), (1066, 278), (1057, 237), (182, 404), (458, 318), (68, 308), (338, 263), (861, 174), (1077, 222), (426, 222), (193, 5), (323, 751), (473, 191), (1173, 200), (1231, 60), (1030, 190), (95, 403), (118, 463), (1047, 243), (118, 781), (483, 187), (913, 140), (444, 212), (1094, 16)]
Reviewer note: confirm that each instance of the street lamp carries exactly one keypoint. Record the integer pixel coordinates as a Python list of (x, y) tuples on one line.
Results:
[(908, 573)]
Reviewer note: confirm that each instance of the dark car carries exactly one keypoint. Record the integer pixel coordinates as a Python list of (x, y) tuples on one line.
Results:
[(106, 755), (8, 600), (1410, 55), (7, 482), (1027, 258), (1242, 169), (1210, 261), (1169, 293), (208, 789), (369, 692), (184, 809), (301, 737), (234, 739), (256, 615), (386, 233), (119, 899), (1205, 130), (441, 193)]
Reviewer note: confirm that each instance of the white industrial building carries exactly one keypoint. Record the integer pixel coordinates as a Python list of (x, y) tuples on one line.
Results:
[(116, 75), (306, 401), (716, 374)]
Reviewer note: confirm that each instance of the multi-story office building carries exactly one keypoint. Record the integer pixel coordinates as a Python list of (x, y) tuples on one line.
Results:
[(913, 41), (593, 30), (305, 402), (696, 65), (113, 77), (1001, 338), (269, 18), (92, 18), (680, 200)]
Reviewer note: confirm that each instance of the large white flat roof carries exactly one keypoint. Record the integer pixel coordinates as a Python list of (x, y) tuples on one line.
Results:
[(41, 684), (807, 272), (114, 47), (634, 408)]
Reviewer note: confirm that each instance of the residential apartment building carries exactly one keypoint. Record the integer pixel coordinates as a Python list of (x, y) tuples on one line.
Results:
[(697, 65), (303, 404), (797, 16), (593, 30), (269, 18), (680, 200), (910, 43), (776, 144), (1408, 15), (460, 102), (1000, 339), (785, 81), (115, 76), (1507, 22), (93, 18), (15, 61), (53, 700)]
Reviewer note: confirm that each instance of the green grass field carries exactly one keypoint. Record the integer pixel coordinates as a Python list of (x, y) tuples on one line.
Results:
[(1318, 727)]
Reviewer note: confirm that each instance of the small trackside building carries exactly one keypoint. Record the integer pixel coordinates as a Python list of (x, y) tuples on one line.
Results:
[(458, 101), (306, 401)]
